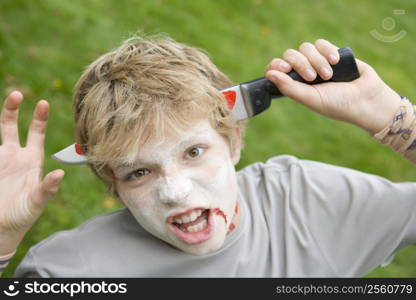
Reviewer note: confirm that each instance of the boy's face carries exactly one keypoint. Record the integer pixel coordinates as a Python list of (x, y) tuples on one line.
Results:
[(183, 188)]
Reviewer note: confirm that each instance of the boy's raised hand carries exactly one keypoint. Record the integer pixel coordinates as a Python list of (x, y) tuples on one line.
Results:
[(23, 193), (366, 102)]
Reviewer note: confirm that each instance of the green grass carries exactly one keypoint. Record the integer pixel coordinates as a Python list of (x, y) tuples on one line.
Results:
[(44, 46)]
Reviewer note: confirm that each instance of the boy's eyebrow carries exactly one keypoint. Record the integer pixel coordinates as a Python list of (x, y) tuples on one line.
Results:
[(179, 145)]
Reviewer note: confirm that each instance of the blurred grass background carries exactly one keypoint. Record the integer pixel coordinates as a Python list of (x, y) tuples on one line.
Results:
[(45, 44)]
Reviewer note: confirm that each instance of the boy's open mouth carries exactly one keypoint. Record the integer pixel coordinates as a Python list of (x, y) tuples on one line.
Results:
[(193, 226)]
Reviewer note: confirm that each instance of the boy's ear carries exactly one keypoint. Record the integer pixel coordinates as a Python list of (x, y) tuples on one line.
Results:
[(236, 155)]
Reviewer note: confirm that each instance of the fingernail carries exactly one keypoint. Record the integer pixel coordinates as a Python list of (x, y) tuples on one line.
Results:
[(61, 176), (310, 73), (333, 58), (326, 72), (16, 93)]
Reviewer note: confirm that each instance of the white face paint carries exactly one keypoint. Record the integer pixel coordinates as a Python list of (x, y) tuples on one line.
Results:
[(183, 189)]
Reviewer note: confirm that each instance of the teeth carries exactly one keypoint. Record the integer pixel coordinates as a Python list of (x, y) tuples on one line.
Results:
[(194, 215), (189, 217), (186, 219), (198, 227)]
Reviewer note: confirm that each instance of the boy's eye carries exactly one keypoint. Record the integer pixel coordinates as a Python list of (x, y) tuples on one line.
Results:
[(138, 174), (195, 152)]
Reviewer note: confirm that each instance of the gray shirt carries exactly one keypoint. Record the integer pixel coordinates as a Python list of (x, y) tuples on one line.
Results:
[(299, 218)]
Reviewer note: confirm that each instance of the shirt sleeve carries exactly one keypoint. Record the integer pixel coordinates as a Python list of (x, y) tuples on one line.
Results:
[(56, 256), (27, 268), (358, 220)]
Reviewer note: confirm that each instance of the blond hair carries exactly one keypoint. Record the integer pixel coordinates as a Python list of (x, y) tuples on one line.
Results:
[(134, 92)]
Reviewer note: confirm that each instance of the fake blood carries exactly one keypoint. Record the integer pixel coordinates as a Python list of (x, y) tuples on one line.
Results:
[(236, 210), (78, 149), (220, 213), (230, 97)]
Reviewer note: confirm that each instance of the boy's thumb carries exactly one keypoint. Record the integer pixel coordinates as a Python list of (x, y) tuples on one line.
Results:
[(50, 185), (296, 90)]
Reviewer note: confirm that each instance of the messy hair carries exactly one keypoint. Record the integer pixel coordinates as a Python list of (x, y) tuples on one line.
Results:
[(133, 93)]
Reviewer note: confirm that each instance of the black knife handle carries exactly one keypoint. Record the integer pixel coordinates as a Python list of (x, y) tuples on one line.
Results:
[(260, 91), (345, 70)]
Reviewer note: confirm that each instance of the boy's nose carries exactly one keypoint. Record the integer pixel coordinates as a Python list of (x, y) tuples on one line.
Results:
[(173, 190)]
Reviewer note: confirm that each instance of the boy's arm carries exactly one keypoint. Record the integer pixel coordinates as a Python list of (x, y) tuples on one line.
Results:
[(359, 220), (366, 102)]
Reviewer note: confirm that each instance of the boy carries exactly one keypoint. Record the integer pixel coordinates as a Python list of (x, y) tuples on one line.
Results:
[(156, 130)]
